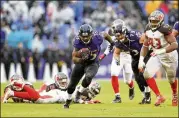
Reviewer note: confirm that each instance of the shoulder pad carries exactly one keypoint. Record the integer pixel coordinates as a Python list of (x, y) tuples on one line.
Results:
[(165, 29), (76, 41)]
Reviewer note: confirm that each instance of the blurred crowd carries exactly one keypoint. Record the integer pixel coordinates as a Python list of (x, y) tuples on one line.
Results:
[(42, 32)]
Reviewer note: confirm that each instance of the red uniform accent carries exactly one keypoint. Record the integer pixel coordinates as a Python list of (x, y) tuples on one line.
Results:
[(33, 94), (152, 84), (115, 84), (174, 87), (23, 95), (131, 85)]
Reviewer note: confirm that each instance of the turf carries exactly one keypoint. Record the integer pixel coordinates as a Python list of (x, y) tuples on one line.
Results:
[(128, 108)]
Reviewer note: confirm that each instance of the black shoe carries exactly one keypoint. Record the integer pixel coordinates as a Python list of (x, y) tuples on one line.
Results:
[(146, 99), (77, 97), (117, 99), (131, 93), (143, 101), (67, 104)]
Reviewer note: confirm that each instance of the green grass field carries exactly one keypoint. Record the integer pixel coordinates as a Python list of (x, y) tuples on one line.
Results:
[(128, 108)]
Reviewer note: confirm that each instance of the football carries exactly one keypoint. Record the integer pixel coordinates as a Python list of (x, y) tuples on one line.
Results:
[(83, 52)]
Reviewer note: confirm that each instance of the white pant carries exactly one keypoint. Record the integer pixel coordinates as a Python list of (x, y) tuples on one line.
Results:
[(125, 65), (168, 61), (56, 96)]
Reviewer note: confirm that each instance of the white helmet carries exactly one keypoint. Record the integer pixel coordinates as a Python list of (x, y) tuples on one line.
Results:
[(61, 80), (156, 18), (16, 78), (95, 88), (119, 29)]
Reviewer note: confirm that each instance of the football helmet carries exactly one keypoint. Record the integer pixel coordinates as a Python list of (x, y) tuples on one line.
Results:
[(85, 33), (119, 29), (61, 80), (16, 78), (94, 88), (156, 18)]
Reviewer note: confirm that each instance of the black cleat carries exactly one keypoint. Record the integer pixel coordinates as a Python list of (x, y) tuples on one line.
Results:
[(146, 99), (117, 99), (67, 104), (131, 93)]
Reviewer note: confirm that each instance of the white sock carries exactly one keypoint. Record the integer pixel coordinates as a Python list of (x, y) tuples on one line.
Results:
[(147, 89), (117, 94), (81, 89), (69, 96)]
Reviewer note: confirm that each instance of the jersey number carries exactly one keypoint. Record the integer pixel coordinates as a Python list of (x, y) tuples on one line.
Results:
[(155, 43)]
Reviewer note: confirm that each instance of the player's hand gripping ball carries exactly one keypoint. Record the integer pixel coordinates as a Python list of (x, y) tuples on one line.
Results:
[(84, 53)]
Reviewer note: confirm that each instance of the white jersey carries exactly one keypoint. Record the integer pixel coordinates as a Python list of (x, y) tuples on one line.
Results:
[(167, 61), (52, 96), (157, 41)]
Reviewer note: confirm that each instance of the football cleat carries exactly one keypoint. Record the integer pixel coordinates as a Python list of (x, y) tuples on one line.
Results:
[(131, 93), (160, 99), (67, 104), (117, 99), (175, 100), (146, 99), (8, 94)]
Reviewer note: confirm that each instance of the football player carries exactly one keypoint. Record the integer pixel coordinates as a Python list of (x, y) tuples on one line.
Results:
[(85, 57), (16, 99), (88, 94), (159, 36), (57, 91), (116, 68), (47, 94), (129, 41)]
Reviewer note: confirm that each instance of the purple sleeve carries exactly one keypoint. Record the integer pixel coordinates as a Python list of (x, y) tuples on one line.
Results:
[(176, 26), (76, 43), (98, 38)]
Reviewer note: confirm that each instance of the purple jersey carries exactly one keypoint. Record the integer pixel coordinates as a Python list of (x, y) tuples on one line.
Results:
[(132, 44), (94, 46), (176, 26)]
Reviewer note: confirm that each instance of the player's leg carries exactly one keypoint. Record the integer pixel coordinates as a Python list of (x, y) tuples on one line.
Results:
[(171, 76), (152, 66), (141, 82), (127, 73), (115, 70), (90, 72), (76, 75)]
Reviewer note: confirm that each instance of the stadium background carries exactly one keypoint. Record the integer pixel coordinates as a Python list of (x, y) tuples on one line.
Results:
[(38, 33)]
